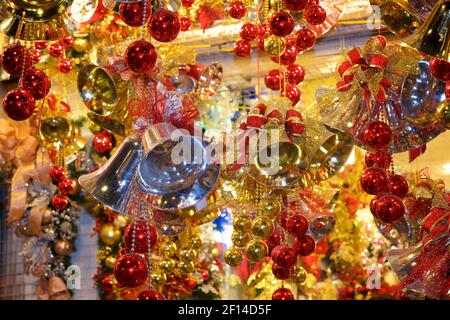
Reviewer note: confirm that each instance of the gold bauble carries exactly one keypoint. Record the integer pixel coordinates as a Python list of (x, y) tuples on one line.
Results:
[(270, 207), (299, 276), (187, 255), (274, 45), (242, 224), (185, 267), (121, 221), (215, 252), (233, 257), (196, 242), (159, 279), (256, 250), (109, 234), (442, 114), (262, 227), (167, 265), (240, 239), (110, 261), (80, 45), (168, 249), (47, 217), (63, 247)]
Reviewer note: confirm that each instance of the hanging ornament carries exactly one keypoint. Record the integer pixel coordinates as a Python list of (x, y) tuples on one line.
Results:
[(140, 56), (16, 57), (256, 250), (103, 142), (299, 275), (249, 31), (379, 159), (185, 23), (151, 295), (63, 247), (440, 68), (140, 229), (237, 9), (242, 48), (388, 208), (304, 245), (19, 104), (56, 50), (67, 41), (295, 74), (295, 5), (262, 227), (273, 45), (57, 174), (36, 82), (66, 186), (240, 239), (59, 202), (274, 79), (293, 93), (131, 270), (374, 180), (281, 24), (36, 56), (282, 294), (398, 185), (187, 3), (281, 272), (304, 39), (288, 56), (41, 45), (315, 14), (132, 13), (297, 225), (109, 234), (442, 114), (233, 257), (65, 65), (377, 135), (284, 256), (164, 25)]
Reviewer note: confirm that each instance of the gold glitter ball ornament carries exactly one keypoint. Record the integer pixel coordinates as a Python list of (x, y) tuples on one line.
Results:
[(167, 265), (256, 250), (274, 45), (242, 224), (168, 249), (442, 114), (233, 257), (262, 227), (240, 239)]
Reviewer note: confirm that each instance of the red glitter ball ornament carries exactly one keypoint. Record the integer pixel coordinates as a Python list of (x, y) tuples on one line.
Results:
[(141, 233), (19, 104), (107, 283), (59, 202), (67, 41), (293, 93), (185, 23), (187, 3), (295, 5), (398, 185), (281, 272), (281, 24), (274, 79), (305, 39), (378, 159), (388, 208), (249, 31), (284, 256), (13, 58), (447, 89), (242, 48), (377, 135), (195, 70), (56, 50), (36, 82), (440, 69), (131, 270), (132, 13), (140, 56), (164, 25), (374, 180), (41, 45), (237, 9), (66, 186), (315, 14), (151, 295), (282, 294), (65, 65), (36, 56), (102, 143), (288, 56), (295, 74), (57, 174), (297, 225), (304, 245)]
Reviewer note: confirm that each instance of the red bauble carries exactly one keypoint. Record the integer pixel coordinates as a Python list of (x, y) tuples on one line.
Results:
[(36, 56), (185, 23), (13, 59), (280, 272), (295, 74), (56, 50), (141, 236), (242, 48), (440, 68), (305, 39), (131, 270), (373, 205), (132, 13), (107, 284), (249, 31), (237, 9), (67, 41), (295, 5), (388, 208), (59, 202), (374, 180), (398, 185), (282, 294), (281, 24), (102, 143), (377, 135), (187, 3), (378, 159), (41, 45), (164, 25), (57, 174), (284, 256), (288, 56), (274, 79), (263, 33), (19, 104), (195, 70), (66, 186), (297, 225), (36, 82), (447, 89), (304, 245), (315, 14), (65, 65), (151, 295), (293, 93), (140, 56)]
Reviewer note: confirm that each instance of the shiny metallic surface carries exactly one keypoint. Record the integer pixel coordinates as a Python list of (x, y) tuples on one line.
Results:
[(422, 8), (55, 129), (112, 184), (183, 83), (210, 80), (398, 17)]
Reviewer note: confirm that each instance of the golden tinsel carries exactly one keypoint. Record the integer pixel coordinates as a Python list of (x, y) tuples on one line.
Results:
[(173, 55)]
